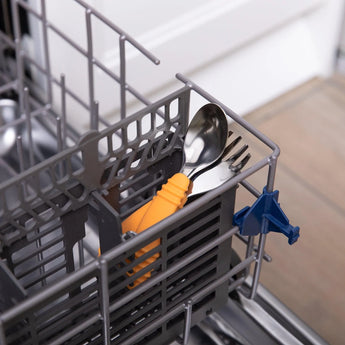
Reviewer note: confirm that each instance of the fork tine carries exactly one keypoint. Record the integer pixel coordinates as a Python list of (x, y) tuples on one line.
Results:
[(238, 154), (230, 146), (236, 168), (229, 134)]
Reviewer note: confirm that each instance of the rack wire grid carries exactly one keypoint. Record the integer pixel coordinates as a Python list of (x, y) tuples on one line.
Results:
[(58, 290)]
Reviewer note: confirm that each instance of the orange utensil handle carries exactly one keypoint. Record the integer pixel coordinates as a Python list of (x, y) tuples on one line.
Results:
[(132, 222), (167, 201)]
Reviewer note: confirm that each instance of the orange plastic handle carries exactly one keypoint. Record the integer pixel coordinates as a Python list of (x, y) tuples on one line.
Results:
[(167, 201), (132, 222)]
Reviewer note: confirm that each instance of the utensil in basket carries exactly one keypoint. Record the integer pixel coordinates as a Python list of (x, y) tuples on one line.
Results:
[(204, 144), (227, 166)]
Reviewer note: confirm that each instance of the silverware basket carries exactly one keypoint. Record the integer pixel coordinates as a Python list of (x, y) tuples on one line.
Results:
[(58, 204)]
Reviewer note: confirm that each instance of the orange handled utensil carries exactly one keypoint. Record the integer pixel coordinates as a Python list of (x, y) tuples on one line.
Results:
[(167, 201), (227, 166), (204, 144)]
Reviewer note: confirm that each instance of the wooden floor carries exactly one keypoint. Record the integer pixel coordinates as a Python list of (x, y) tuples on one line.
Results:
[(309, 277)]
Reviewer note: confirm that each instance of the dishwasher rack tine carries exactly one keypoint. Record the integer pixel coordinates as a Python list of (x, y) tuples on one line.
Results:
[(66, 187)]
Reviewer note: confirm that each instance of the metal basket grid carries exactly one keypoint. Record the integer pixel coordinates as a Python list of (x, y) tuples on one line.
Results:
[(102, 176)]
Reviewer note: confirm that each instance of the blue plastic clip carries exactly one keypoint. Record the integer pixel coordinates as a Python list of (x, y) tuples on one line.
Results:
[(250, 220)]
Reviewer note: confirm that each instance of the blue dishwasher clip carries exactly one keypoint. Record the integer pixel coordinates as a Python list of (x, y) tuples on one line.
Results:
[(250, 220)]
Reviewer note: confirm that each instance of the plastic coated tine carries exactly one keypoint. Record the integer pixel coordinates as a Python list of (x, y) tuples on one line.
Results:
[(21, 162), (258, 264), (122, 42), (46, 52), (59, 142), (105, 301), (20, 58), (95, 115), (187, 322), (29, 125), (63, 111), (59, 134), (20, 153)]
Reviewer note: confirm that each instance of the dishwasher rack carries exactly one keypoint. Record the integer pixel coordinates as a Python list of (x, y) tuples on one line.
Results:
[(54, 203)]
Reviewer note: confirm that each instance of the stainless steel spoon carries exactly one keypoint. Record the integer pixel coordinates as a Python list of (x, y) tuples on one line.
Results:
[(204, 144), (228, 166), (205, 140)]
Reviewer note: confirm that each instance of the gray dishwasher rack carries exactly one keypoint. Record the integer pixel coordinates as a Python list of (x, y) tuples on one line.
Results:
[(59, 203)]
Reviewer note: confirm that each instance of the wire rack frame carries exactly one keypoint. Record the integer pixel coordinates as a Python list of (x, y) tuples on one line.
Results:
[(76, 182), (88, 53), (96, 265), (89, 178), (35, 105)]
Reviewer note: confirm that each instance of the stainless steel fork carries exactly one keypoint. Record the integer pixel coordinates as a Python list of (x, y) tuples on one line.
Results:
[(228, 166)]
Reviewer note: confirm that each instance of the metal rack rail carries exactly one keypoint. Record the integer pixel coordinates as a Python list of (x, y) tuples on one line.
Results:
[(88, 183)]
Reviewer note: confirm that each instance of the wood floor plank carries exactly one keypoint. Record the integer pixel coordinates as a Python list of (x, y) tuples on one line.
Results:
[(311, 137), (309, 126), (284, 101), (308, 275)]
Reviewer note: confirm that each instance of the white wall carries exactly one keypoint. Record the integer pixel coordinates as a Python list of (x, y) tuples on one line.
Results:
[(244, 52), (272, 64)]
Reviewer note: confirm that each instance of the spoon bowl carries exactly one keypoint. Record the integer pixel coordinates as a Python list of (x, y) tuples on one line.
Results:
[(205, 140), (204, 144)]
